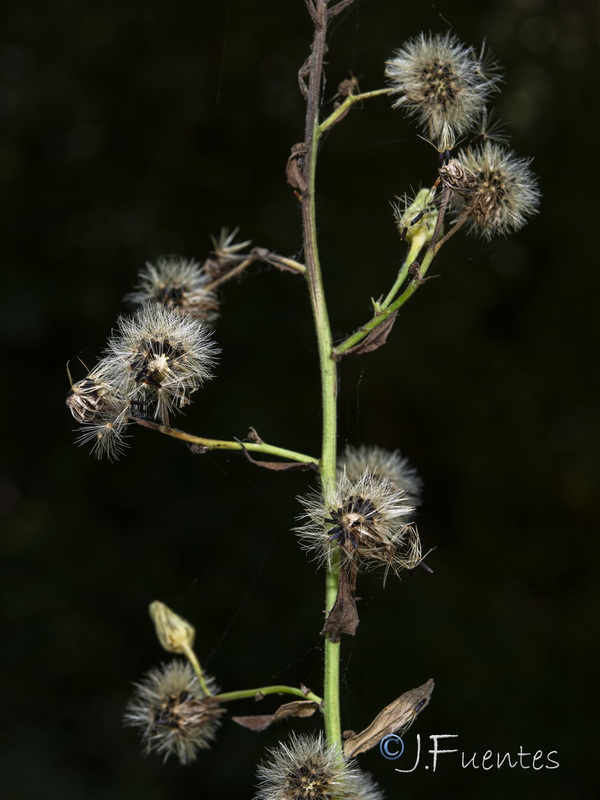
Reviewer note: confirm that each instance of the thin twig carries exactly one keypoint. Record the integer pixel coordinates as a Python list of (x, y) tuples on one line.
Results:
[(224, 444)]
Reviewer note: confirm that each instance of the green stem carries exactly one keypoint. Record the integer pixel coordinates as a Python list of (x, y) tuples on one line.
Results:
[(242, 693), (413, 253), (192, 658), (325, 345), (223, 444), (344, 107)]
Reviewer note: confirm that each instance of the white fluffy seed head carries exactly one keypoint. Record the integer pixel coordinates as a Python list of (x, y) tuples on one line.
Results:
[(502, 192), (305, 768), (158, 358), (367, 519), (172, 712), (106, 434), (179, 284), (385, 465), (442, 84)]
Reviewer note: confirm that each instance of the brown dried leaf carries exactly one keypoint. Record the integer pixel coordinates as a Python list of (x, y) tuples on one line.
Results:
[(295, 170), (253, 436), (343, 617), (397, 716), (375, 338), (260, 722), (255, 722), (199, 449)]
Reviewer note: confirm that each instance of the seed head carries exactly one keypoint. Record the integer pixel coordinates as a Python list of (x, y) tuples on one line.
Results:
[(383, 465), (158, 359), (106, 434), (501, 192), (178, 284), (305, 768), (366, 518), (173, 714), (102, 410), (442, 84)]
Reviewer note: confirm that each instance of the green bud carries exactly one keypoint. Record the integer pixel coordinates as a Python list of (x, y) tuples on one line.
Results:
[(416, 220), (174, 633)]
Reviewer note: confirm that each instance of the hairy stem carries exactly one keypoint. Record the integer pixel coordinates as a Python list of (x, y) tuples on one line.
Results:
[(324, 339)]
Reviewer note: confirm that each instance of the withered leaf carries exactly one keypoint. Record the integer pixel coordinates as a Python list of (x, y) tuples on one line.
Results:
[(375, 338), (260, 722), (199, 449), (295, 169), (277, 466), (393, 718), (343, 617), (253, 436)]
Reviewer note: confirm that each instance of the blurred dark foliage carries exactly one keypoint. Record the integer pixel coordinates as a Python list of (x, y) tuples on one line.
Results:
[(130, 130)]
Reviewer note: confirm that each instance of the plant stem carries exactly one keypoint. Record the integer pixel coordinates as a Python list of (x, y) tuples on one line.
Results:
[(192, 658), (242, 693), (223, 444), (344, 107), (415, 248), (324, 340)]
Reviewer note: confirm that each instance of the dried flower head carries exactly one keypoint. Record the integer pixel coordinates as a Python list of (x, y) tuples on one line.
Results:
[(225, 245), (384, 465), (226, 253), (159, 358), (102, 410), (173, 714), (500, 193), (179, 284), (442, 84), (366, 518), (305, 768), (93, 396)]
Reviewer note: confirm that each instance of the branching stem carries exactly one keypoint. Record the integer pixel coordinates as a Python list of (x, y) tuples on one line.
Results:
[(344, 107)]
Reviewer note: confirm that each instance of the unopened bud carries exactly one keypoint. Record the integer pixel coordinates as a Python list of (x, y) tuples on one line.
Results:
[(416, 220), (174, 633)]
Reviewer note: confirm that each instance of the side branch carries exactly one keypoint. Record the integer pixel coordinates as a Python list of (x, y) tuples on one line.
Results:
[(222, 444), (343, 108)]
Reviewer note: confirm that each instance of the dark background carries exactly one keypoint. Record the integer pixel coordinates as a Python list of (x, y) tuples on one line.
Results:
[(130, 130)]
